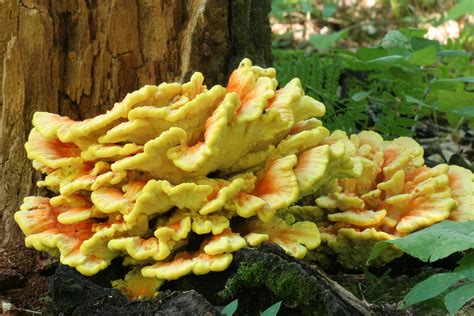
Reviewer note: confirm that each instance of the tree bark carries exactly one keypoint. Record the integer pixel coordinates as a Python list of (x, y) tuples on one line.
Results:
[(78, 57)]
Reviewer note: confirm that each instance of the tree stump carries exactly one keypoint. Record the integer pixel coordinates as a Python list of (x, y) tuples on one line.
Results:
[(78, 57)]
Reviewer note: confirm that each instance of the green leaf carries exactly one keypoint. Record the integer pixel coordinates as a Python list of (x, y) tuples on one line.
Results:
[(351, 62), (466, 111), (324, 42), (466, 266), (361, 95), (418, 43), (458, 102), (386, 61), (433, 243), (272, 310), (329, 9), (456, 299), (394, 39), (460, 9), (454, 53), (230, 308), (459, 79), (366, 54), (431, 287), (411, 99), (441, 84), (412, 32), (402, 74), (424, 57)]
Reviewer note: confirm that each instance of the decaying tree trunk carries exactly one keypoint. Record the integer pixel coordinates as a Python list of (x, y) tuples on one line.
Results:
[(78, 57)]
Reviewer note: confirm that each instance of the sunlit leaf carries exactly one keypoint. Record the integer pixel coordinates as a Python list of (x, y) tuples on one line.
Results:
[(459, 102), (432, 243), (424, 57), (366, 54), (412, 32), (460, 9)]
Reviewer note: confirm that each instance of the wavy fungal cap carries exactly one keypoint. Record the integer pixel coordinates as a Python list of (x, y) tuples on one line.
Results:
[(395, 195), (173, 161)]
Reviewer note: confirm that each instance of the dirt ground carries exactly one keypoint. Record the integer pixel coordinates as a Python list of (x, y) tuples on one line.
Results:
[(23, 279)]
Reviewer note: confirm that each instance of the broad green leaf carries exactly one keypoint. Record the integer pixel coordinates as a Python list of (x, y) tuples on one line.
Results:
[(466, 266), (272, 310), (412, 32), (459, 102), (361, 95), (456, 299), (431, 287), (418, 43), (432, 243), (460, 9), (366, 54), (324, 42), (424, 57), (230, 308)]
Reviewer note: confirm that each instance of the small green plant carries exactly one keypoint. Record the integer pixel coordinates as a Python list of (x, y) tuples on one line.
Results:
[(272, 310), (375, 281), (434, 243), (231, 308)]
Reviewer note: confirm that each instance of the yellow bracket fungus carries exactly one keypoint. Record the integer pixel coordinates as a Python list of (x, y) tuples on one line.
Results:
[(173, 161), (394, 195)]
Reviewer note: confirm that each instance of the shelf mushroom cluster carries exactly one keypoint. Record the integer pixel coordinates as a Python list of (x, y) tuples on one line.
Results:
[(396, 194), (178, 164)]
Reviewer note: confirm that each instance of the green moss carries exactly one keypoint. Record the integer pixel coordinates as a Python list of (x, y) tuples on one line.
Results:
[(286, 281)]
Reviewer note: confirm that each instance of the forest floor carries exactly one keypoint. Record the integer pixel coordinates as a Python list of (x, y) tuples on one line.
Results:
[(23, 279)]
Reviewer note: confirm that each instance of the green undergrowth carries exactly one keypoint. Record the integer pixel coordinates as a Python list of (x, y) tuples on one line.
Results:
[(449, 290), (390, 87)]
